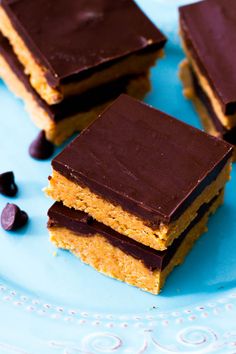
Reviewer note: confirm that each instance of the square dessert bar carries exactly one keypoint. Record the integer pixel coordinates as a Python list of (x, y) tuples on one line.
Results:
[(141, 172), (121, 257), (68, 46), (61, 120), (209, 73)]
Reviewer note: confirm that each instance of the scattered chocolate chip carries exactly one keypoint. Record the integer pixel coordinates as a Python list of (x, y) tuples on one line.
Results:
[(41, 148), (13, 217), (7, 184)]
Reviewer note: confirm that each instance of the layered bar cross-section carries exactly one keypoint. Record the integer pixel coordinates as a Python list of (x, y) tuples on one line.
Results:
[(74, 113), (68, 47), (141, 172), (208, 30), (121, 257)]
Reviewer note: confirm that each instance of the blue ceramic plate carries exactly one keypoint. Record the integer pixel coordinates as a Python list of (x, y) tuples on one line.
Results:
[(55, 304)]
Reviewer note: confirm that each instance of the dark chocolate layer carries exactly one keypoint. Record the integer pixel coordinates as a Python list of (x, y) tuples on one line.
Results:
[(82, 224), (149, 163), (209, 29), (71, 105), (226, 134), (69, 37)]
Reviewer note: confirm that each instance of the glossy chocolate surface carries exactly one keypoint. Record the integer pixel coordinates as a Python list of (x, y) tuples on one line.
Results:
[(209, 30), (70, 105), (226, 134), (69, 37), (149, 163), (80, 223)]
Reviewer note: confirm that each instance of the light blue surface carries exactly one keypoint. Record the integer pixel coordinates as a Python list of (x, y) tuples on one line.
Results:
[(59, 305)]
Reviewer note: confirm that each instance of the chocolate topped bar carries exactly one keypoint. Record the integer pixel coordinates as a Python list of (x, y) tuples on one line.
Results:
[(147, 162), (224, 133), (70, 105), (69, 38), (209, 31)]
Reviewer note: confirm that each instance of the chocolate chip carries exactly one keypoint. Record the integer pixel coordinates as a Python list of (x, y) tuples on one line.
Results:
[(13, 217), (41, 148), (7, 184)]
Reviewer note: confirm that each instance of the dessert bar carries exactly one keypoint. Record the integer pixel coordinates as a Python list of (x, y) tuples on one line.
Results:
[(141, 172), (209, 119), (68, 47), (60, 121), (207, 30)]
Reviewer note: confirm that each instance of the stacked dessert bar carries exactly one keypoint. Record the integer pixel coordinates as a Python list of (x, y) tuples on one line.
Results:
[(209, 73), (134, 191), (67, 59)]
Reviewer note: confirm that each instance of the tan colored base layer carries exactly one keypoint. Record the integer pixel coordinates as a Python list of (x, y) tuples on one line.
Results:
[(228, 121), (136, 88), (37, 113), (59, 132), (133, 65), (78, 197), (107, 259), (27, 59), (189, 92)]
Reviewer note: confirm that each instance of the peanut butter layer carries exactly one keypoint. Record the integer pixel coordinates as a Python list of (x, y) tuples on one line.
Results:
[(117, 262), (74, 196), (60, 121), (229, 121), (137, 87), (210, 122), (107, 40)]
